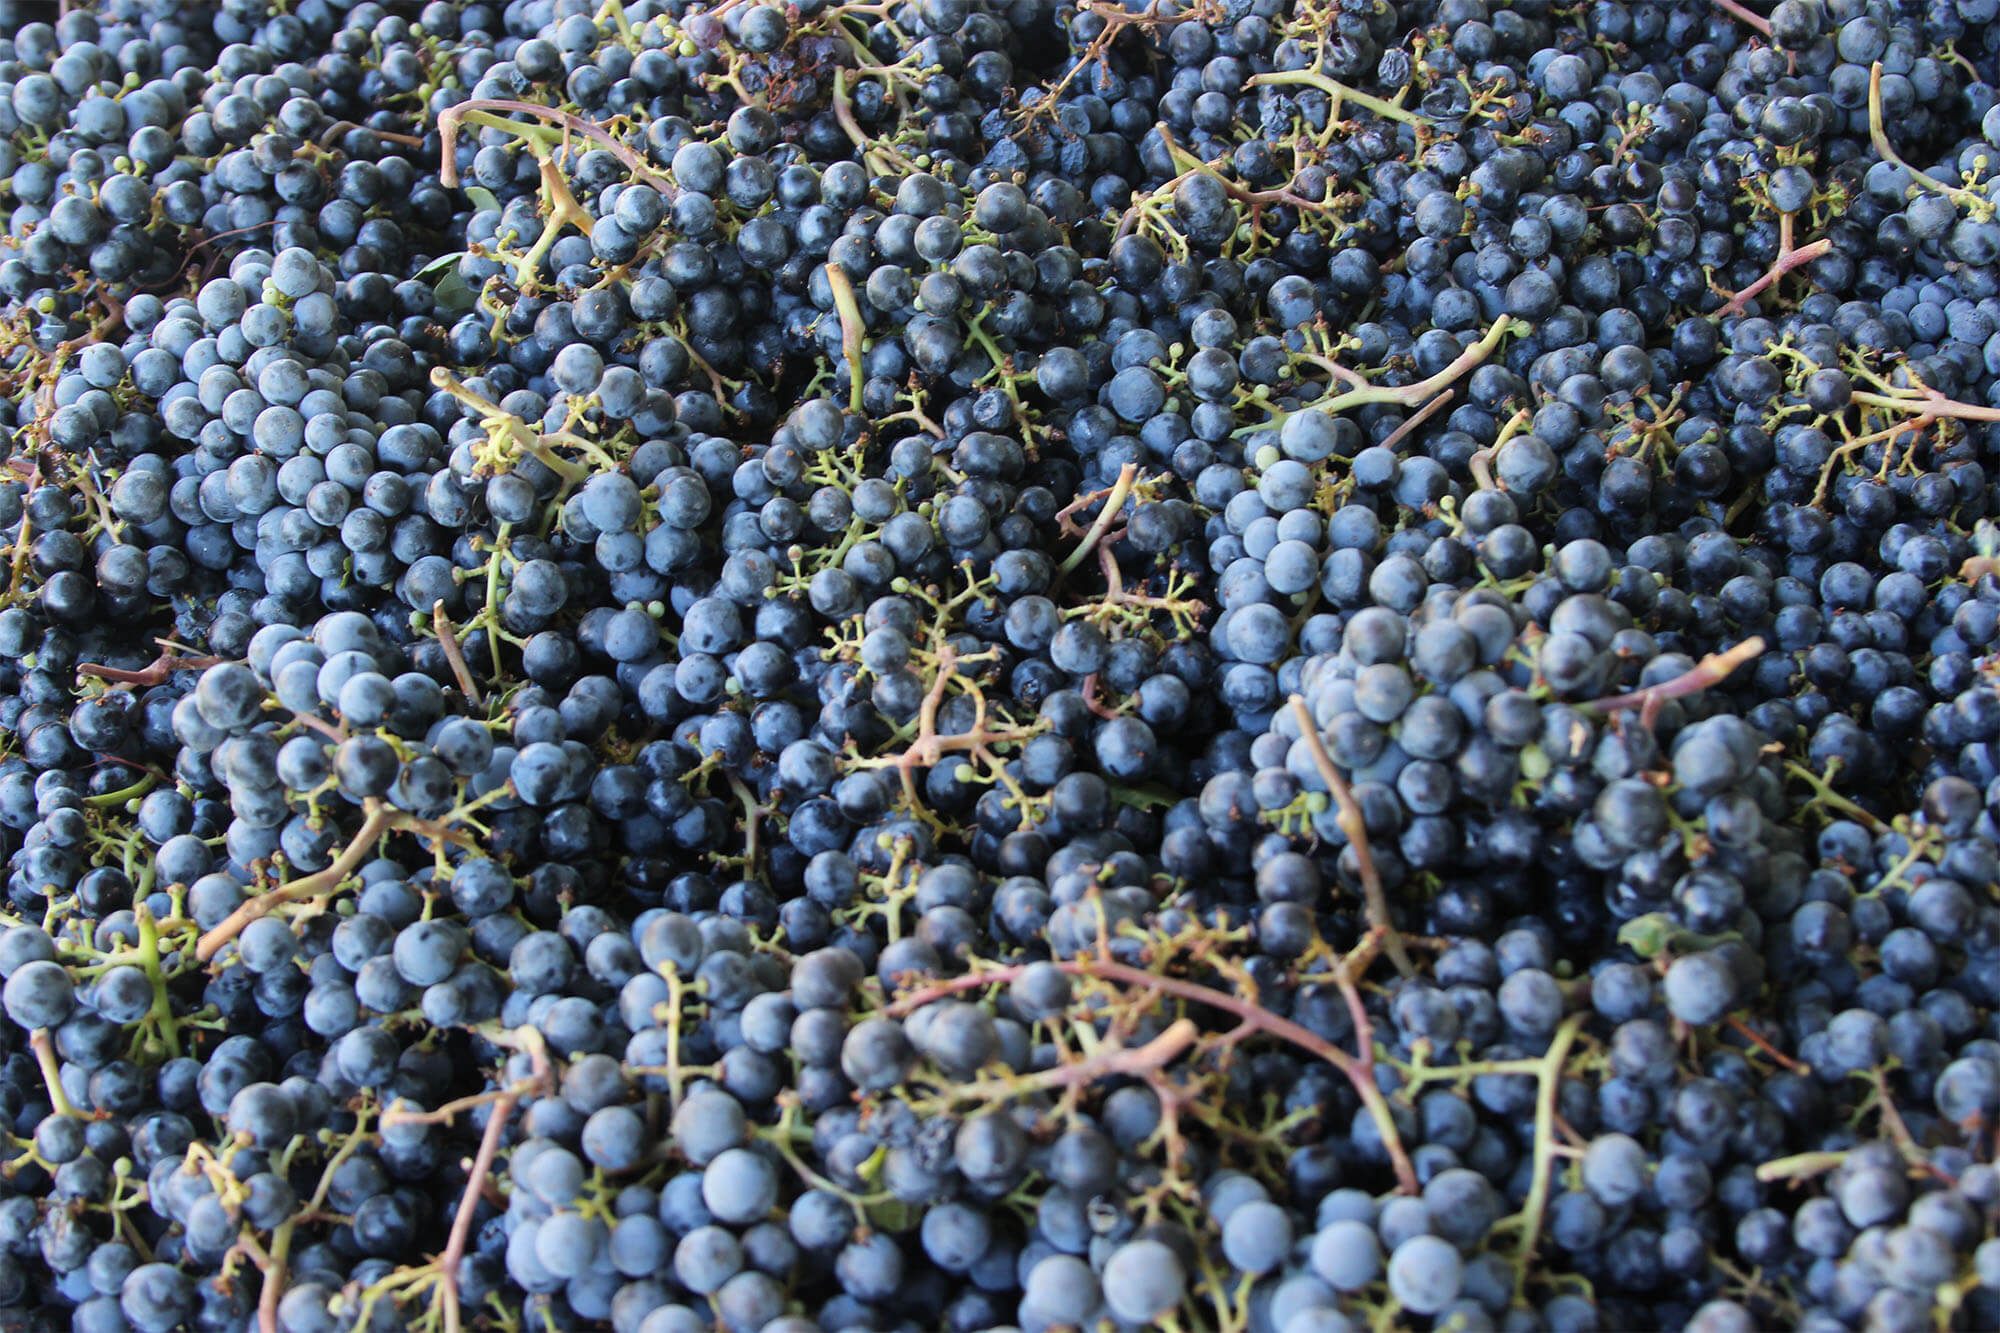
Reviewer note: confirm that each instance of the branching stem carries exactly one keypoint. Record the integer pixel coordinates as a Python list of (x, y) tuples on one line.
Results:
[(1711, 670)]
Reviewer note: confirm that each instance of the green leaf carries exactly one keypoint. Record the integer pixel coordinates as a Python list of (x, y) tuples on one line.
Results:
[(1655, 932), (454, 295), (482, 198), (1147, 796), (1646, 935), (437, 268)]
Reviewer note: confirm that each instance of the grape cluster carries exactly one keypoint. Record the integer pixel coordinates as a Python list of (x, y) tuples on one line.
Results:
[(1286, 666)]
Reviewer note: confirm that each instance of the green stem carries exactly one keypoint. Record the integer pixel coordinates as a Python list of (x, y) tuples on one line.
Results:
[(1929, 405), (160, 1017), (1340, 92), (1112, 504), (1800, 1166), (113, 799), (852, 328), (1824, 794), (1972, 200), (1549, 1076), (1408, 395)]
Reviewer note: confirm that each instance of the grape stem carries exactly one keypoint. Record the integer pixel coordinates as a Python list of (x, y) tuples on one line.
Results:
[(381, 820), (1407, 395), (1422, 414), (468, 1206), (1254, 1017), (275, 1262), (441, 624), (1763, 1043), (1973, 201), (1110, 1062), (1824, 794), (154, 673), (1105, 517), (1711, 670), (1790, 257), (1932, 405), (1547, 1079), (882, 160), (1800, 1166), (378, 822), (44, 1047), (1341, 93), (852, 327), (1348, 816), (1747, 17), (1251, 1017), (491, 113)]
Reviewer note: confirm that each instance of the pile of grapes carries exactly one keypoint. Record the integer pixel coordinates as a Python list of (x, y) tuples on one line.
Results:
[(918, 666)]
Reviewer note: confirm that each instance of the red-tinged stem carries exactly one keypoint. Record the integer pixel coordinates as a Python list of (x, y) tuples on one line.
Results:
[(1133, 1061), (468, 1205), (1250, 1014), (1423, 414), (358, 850), (1375, 901), (1789, 258), (1711, 670), (1088, 689), (1748, 17), (381, 819), (1350, 968), (1284, 1029), (44, 1047), (1763, 1043), (154, 673), (448, 641)]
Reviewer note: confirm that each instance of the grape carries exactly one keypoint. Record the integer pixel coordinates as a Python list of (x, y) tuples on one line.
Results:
[(868, 663), (1425, 1274), (1256, 1237)]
